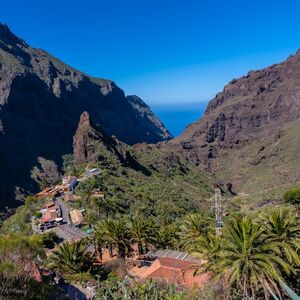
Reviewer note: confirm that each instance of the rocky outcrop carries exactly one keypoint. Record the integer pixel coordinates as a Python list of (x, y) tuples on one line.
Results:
[(251, 112), (92, 145), (41, 100)]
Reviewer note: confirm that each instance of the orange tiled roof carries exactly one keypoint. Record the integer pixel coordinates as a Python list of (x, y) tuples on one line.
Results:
[(44, 192), (49, 191), (49, 216), (172, 271)]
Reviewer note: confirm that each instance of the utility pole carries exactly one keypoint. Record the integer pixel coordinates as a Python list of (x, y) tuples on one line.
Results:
[(219, 209)]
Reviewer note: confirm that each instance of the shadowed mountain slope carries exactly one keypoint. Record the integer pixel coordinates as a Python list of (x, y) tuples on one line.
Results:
[(41, 100)]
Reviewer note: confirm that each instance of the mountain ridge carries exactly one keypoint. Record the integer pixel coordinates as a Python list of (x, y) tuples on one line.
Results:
[(41, 100), (257, 111)]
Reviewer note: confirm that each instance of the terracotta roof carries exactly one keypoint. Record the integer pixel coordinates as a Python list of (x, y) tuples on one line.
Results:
[(50, 215), (175, 263), (44, 192), (172, 271), (49, 191)]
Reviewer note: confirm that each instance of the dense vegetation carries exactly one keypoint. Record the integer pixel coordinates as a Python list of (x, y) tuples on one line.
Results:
[(116, 288), (20, 221), (128, 211), (250, 257), (19, 258), (168, 189)]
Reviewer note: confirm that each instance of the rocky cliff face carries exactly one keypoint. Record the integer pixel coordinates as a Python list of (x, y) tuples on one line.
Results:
[(41, 100), (247, 134), (92, 145)]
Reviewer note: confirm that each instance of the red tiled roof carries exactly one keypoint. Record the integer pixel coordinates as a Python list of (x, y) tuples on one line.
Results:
[(175, 263), (44, 192), (49, 216), (172, 271), (49, 191)]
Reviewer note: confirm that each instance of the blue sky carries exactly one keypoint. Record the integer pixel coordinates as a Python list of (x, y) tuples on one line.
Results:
[(164, 51)]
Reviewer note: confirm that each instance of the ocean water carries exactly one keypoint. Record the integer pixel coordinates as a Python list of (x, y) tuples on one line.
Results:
[(177, 116)]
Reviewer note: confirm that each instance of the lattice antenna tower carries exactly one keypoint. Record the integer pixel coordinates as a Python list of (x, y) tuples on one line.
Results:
[(218, 208)]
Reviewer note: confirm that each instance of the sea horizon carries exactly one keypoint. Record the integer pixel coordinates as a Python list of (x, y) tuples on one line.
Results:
[(177, 116)]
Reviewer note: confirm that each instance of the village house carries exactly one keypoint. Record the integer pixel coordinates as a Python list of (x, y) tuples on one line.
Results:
[(50, 216), (76, 217), (50, 192), (69, 183), (170, 267), (67, 186)]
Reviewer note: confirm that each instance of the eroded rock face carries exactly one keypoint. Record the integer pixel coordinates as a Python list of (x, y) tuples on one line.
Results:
[(92, 145), (41, 100), (83, 149), (249, 110)]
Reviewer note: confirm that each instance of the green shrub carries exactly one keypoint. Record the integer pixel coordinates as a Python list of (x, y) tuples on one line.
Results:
[(38, 214), (49, 239), (292, 196)]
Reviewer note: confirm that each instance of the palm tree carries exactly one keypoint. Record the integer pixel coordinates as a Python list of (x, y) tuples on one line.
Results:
[(99, 241), (107, 205), (207, 246), (247, 261), (168, 237), (282, 226), (143, 233), (72, 257), (116, 233), (194, 227)]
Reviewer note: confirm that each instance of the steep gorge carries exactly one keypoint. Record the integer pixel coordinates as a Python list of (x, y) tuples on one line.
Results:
[(249, 136)]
